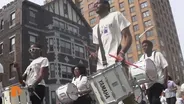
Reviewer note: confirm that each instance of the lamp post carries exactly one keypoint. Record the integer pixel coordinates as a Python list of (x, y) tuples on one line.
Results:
[(142, 35)]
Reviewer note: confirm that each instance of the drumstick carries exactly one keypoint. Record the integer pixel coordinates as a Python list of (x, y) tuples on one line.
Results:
[(33, 91), (128, 63)]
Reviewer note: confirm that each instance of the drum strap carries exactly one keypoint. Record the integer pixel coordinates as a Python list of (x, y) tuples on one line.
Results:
[(154, 55), (104, 60)]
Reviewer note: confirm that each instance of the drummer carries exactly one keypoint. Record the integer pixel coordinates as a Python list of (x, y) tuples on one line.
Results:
[(155, 89), (34, 74), (81, 81), (115, 38)]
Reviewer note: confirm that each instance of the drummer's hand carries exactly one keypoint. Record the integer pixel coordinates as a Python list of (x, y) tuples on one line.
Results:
[(121, 57), (31, 88)]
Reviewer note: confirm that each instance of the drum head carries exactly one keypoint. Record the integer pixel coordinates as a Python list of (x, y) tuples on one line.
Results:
[(151, 70), (72, 91)]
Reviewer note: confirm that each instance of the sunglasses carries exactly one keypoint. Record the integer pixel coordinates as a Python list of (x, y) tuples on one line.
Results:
[(33, 49)]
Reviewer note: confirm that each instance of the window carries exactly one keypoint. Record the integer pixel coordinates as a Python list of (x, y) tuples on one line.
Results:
[(51, 44), (91, 13), (130, 1), (111, 1), (2, 24), (12, 19), (79, 51), (65, 8), (149, 33), (121, 5), (153, 41), (134, 18), (32, 17), (12, 71), (124, 13), (145, 14), (32, 39), (1, 48), (52, 70), (93, 21), (90, 6), (12, 44), (138, 47), (139, 56), (147, 23), (144, 5), (66, 71), (65, 47), (137, 37), (112, 9), (53, 97), (132, 9), (136, 27)]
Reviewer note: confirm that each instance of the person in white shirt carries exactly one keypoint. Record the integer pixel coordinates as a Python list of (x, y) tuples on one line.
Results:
[(180, 100), (163, 98), (34, 74), (178, 88), (115, 37), (1, 79), (172, 88), (81, 81), (155, 89)]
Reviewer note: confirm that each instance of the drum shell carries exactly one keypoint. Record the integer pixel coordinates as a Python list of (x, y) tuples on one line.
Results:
[(111, 85), (22, 98), (67, 93), (145, 73)]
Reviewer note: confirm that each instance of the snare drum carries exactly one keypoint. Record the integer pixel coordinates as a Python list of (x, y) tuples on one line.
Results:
[(111, 85), (67, 93), (146, 72), (22, 98)]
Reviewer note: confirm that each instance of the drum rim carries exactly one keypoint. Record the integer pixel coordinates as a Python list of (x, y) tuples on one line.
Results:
[(116, 64)]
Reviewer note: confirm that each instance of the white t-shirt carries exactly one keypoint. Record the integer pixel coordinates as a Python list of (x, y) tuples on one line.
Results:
[(1, 86), (33, 69), (179, 101), (110, 31), (163, 100), (82, 83), (182, 87), (160, 63)]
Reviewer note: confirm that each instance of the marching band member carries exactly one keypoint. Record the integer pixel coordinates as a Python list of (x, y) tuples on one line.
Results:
[(34, 74), (155, 89), (113, 28), (81, 81), (1, 79)]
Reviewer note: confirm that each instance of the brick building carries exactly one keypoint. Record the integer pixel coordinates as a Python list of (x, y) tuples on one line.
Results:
[(143, 14), (58, 26)]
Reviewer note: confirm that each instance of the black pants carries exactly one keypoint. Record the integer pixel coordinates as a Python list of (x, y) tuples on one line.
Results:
[(40, 91), (154, 93), (0, 100), (171, 100), (86, 99)]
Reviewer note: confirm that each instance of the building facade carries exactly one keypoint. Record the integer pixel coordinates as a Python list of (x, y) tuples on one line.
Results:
[(143, 15), (61, 30)]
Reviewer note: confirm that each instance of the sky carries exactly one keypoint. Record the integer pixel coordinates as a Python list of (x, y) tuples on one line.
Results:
[(176, 5)]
